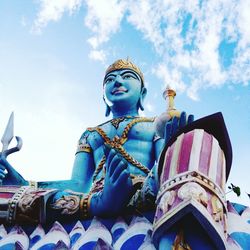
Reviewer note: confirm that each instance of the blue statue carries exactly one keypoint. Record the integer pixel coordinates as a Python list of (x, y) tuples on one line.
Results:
[(179, 172), (114, 157), (117, 154)]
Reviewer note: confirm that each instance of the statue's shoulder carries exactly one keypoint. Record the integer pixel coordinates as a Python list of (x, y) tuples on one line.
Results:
[(92, 134), (85, 135), (91, 131), (142, 128), (89, 140), (145, 123), (144, 120)]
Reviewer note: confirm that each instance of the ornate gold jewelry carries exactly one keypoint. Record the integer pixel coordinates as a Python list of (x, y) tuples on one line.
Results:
[(125, 64), (83, 148), (116, 121), (117, 142), (99, 167), (85, 205)]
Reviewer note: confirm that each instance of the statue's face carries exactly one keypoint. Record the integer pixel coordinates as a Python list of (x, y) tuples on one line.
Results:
[(122, 86)]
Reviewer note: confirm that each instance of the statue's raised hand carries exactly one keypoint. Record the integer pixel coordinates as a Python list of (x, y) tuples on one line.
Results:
[(8, 175), (175, 124), (117, 190)]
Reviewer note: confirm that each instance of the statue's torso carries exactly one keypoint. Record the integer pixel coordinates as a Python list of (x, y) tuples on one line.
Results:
[(139, 142)]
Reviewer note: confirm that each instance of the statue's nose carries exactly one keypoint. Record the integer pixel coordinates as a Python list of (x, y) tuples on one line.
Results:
[(118, 80)]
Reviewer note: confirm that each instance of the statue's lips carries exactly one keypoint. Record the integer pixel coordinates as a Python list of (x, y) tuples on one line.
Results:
[(119, 90)]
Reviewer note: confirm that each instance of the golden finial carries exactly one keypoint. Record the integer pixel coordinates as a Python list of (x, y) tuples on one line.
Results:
[(169, 95), (161, 120)]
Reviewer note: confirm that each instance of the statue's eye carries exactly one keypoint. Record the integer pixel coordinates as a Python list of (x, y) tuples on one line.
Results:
[(109, 79), (128, 76)]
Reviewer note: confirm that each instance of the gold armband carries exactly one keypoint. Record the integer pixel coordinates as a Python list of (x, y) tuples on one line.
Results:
[(83, 148), (85, 206)]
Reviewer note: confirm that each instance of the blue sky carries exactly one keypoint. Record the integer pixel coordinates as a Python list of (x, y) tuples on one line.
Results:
[(53, 55)]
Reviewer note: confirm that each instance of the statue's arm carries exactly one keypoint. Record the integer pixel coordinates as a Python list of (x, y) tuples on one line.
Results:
[(8, 174), (110, 199), (83, 169), (84, 164)]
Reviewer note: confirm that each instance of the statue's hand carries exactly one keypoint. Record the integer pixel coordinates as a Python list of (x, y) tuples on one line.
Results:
[(3, 170), (117, 189), (173, 125), (8, 175)]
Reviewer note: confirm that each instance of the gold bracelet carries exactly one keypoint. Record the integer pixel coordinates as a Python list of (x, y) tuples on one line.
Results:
[(85, 206)]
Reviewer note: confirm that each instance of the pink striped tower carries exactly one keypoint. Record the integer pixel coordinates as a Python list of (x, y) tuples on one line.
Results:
[(193, 169)]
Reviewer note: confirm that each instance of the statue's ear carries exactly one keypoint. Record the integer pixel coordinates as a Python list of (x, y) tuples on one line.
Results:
[(107, 113), (141, 100), (108, 110)]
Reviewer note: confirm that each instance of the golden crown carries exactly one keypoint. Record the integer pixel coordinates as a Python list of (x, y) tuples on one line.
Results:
[(125, 64)]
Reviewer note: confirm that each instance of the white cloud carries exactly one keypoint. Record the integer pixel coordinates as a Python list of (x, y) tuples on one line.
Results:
[(170, 78), (52, 10), (97, 55), (172, 27), (145, 17), (243, 22), (103, 18), (201, 67)]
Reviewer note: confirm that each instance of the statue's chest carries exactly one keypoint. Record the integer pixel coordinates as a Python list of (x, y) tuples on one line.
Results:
[(127, 130)]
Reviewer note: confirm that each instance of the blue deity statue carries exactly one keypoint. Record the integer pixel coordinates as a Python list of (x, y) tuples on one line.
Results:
[(114, 157), (116, 170)]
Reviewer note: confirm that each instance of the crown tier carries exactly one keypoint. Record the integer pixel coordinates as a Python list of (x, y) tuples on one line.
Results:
[(125, 64)]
